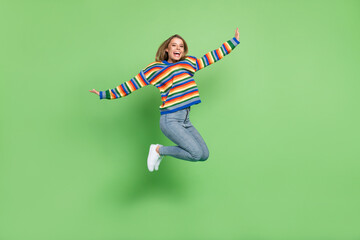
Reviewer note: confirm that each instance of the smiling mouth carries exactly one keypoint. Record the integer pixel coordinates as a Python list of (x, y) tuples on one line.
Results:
[(177, 54)]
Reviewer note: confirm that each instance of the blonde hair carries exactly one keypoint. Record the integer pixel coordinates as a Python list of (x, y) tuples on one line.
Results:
[(161, 54)]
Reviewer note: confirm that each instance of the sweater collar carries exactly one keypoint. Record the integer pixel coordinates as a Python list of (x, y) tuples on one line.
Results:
[(167, 63)]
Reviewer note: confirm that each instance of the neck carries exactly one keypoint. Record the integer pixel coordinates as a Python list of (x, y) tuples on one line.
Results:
[(171, 61)]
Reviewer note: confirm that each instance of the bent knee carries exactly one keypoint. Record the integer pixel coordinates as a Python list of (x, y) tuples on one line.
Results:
[(200, 155), (196, 155), (204, 156)]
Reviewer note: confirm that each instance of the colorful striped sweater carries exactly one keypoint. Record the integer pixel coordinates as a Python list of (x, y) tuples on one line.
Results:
[(174, 80)]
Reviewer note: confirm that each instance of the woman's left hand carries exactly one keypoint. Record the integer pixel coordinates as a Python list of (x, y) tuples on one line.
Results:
[(94, 91), (237, 34)]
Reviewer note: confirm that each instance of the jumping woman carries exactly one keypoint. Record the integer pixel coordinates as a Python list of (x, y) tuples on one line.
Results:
[(172, 73)]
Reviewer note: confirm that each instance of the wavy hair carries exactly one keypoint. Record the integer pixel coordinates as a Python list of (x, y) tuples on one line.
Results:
[(161, 54)]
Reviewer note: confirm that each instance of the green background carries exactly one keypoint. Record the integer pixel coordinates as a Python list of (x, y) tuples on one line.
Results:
[(280, 115)]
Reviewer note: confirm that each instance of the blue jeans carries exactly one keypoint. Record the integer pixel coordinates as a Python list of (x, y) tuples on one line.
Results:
[(178, 128)]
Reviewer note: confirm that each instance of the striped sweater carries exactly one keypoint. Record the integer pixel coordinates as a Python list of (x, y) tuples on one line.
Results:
[(174, 80)]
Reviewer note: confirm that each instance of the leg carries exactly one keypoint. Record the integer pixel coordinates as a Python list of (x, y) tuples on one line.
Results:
[(201, 142), (174, 126)]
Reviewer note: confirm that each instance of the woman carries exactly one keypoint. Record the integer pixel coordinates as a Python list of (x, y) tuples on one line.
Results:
[(172, 73)]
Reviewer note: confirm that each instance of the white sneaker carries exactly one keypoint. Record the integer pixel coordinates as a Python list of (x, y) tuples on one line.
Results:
[(159, 160), (153, 157)]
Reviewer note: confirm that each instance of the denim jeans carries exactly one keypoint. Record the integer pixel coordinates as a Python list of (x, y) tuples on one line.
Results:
[(178, 128)]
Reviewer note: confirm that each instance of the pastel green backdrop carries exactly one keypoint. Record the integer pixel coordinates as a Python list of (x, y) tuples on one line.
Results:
[(280, 115)]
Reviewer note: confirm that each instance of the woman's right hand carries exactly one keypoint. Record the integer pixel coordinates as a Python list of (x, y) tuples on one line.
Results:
[(237, 36), (94, 91)]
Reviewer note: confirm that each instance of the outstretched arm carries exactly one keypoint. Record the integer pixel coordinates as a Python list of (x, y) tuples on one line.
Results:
[(125, 88), (217, 54)]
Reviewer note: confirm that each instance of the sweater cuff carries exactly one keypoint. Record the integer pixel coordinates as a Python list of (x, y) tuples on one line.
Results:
[(235, 41), (102, 95)]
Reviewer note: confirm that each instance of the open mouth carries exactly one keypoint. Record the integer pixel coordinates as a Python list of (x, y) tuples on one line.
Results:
[(177, 54)]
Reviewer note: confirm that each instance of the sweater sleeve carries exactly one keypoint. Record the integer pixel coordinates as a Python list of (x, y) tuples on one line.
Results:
[(125, 88), (217, 54)]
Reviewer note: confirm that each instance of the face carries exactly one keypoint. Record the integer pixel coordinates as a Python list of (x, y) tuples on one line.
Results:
[(175, 50)]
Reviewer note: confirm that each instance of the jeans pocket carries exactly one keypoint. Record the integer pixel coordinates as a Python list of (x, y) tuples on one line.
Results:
[(186, 123)]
